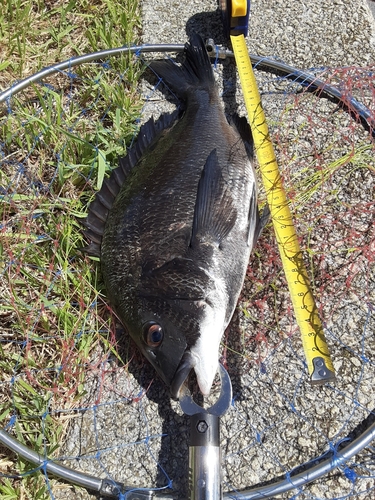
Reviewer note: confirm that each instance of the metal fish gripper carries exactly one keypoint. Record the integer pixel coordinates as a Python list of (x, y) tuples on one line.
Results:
[(205, 476)]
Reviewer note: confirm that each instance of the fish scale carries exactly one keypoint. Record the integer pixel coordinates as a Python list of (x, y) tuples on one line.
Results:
[(174, 239)]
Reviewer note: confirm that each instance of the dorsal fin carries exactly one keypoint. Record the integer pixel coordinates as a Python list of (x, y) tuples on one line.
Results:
[(105, 197)]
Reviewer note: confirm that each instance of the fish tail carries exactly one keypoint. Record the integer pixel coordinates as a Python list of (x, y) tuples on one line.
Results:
[(195, 72)]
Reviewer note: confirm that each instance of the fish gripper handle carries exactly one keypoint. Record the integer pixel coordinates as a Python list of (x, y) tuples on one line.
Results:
[(205, 457)]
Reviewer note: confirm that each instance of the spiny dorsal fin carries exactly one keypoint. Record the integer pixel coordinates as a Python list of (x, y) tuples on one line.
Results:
[(105, 197)]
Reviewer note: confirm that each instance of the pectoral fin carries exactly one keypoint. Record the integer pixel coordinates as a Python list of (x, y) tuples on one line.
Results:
[(214, 213)]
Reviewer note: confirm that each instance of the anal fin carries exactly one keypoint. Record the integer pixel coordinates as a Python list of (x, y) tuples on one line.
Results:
[(256, 221), (243, 128)]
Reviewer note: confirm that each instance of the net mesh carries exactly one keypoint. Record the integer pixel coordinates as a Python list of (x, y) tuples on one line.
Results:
[(72, 385)]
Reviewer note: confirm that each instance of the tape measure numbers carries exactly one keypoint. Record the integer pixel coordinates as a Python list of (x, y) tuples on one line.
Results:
[(316, 351)]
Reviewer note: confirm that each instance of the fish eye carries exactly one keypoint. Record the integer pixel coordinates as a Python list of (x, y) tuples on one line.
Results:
[(153, 334)]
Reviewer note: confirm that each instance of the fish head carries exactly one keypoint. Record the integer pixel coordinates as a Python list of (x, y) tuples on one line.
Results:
[(178, 337), (162, 344), (202, 355)]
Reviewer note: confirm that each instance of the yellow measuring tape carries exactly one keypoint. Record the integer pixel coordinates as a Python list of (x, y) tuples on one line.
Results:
[(314, 344)]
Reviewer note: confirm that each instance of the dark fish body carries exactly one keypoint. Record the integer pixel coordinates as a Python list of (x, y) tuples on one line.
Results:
[(175, 224)]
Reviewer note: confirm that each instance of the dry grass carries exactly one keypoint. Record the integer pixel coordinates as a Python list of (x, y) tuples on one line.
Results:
[(53, 141)]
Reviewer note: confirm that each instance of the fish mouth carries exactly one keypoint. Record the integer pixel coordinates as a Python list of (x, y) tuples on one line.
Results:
[(184, 368)]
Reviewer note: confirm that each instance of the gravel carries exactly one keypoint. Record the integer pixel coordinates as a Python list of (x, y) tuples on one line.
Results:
[(278, 421), (302, 33)]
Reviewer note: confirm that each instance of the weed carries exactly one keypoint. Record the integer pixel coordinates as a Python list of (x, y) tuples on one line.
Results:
[(57, 140)]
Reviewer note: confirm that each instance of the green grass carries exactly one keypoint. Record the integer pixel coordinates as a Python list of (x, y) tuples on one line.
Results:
[(54, 320), (64, 137)]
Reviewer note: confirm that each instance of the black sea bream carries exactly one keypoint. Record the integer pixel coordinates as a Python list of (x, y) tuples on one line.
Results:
[(175, 223)]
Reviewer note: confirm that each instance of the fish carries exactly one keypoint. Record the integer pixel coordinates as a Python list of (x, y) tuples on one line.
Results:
[(175, 223)]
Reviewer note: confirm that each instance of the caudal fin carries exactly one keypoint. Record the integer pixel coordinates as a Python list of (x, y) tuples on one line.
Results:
[(194, 73)]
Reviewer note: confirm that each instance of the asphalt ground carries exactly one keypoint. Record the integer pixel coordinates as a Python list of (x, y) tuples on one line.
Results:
[(371, 5), (260, 432), (302, 33)]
